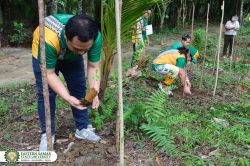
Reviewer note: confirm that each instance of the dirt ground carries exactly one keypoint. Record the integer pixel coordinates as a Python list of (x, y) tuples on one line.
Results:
[(15, 65)]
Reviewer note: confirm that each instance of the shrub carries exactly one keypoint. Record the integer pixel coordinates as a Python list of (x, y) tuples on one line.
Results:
[(19, 36)]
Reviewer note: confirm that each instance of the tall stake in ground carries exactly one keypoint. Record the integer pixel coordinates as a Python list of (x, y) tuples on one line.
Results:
[(44, 75), (218, 53), (205, 51), (118, 9), (187, 68), (192, 30)]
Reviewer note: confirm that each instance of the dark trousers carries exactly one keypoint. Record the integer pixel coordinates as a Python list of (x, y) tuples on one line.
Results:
[(134, 48), (74, 76), (228, 41)]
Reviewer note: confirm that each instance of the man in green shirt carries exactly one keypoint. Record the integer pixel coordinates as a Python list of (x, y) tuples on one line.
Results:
[(185, 42), (67, 38)]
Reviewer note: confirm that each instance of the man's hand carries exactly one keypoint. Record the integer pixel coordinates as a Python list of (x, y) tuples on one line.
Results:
[(75, 103), (95, 103)]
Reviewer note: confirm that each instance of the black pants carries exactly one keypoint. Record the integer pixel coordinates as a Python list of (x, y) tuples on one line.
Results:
[(228, 41), (134, 47)]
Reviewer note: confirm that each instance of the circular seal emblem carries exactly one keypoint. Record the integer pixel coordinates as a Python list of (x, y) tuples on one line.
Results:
[(11, 156)]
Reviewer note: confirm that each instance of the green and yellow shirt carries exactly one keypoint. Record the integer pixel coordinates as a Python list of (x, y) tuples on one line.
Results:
[(172, 57), (55, 43), (193, 51)]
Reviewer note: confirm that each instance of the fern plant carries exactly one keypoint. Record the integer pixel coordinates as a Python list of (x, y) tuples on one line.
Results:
[(161, 136), (158, 128), (154, 106)]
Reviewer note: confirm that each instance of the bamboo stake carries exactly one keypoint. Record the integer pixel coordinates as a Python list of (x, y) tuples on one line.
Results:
[(44, 76), (218, 54), (192, 30), (232, 54), (118, 9), (187, 67), (205, 52)]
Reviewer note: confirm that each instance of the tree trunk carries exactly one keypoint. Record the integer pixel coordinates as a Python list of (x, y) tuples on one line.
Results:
[(84, 6), (53, 9), (79, 6), (163, 14), (241, 11), (183, 13), (107, 64), (44, 75), (97, 12), (6, 13)]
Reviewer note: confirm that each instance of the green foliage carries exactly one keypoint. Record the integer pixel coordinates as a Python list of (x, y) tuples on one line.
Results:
[(155, 106), (19, 36), (156, 129), (131, 11), (161, 136), (199, 39), (134, 117), (108, 107), (137, 54), (4, 105)]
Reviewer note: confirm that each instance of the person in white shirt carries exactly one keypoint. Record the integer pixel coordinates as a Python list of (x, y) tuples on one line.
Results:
[(232, 26)]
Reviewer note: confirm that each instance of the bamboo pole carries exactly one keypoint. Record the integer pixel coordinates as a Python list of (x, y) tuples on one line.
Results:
[(44, 75), (205, 52), (187, 68), (192, 30), (118, 9), (218, 54)]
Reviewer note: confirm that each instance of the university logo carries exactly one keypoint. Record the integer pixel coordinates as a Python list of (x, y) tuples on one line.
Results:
[(11, 156)]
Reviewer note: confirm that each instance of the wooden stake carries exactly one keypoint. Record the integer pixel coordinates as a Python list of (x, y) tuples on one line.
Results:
[(44, 75), (187, 68), (118, 9), (205, 52), (192, 30), (218, 54)]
